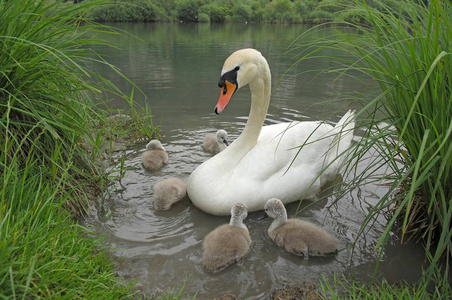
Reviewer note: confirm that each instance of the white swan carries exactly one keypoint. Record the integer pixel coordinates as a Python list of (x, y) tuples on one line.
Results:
[(285, 161), (215, 143)]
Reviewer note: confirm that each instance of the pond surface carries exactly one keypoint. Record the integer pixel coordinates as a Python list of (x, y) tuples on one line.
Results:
[(178, 66)]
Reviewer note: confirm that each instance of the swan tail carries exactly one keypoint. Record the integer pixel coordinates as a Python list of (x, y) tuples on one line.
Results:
[(346, 125), (343, 135)]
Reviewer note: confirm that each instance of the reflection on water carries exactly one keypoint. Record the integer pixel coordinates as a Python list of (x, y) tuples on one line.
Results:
[(178, 66)]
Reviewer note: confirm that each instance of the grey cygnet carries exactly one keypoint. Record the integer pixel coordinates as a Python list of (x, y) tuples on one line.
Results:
[(215, 143), (168, 191), (155, 156), (227, 243), (297, 236)]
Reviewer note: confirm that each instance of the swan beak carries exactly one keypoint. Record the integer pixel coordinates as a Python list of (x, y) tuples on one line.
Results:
[(227, 91), (226, 142)]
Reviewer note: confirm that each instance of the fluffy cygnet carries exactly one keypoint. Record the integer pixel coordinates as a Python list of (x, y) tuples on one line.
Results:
[(215, 143), (167, 192), (297, 236), (155, 156), (227, 243)]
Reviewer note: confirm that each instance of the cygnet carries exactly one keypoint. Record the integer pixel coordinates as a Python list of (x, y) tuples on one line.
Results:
[(228, 243), (297, 236), (155, 156), (168, 191), (215, 143)]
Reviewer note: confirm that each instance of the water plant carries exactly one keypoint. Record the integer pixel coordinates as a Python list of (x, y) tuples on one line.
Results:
[(405, 48)]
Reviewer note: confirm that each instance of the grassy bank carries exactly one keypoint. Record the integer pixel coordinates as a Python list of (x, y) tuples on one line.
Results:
[(43, 252), (405, 50), (48, 176)]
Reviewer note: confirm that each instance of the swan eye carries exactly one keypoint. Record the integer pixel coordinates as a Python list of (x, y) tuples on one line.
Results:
[(237, 68), (230, 76)]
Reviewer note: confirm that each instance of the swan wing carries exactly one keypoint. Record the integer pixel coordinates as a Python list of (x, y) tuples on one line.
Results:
[(285, 163)]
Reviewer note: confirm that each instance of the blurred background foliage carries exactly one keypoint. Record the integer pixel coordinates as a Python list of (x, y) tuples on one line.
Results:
[(269, 11)]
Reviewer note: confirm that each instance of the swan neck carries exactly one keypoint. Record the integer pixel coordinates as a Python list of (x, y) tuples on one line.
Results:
[(260, 100)]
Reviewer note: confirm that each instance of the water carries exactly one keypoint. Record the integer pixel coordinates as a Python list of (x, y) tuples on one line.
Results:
[(178, 66)]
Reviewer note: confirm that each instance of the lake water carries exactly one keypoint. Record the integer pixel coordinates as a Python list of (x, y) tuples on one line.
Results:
[(178, 66)]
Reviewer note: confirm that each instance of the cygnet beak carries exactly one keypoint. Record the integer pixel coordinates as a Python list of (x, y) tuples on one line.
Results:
[(264, 216)]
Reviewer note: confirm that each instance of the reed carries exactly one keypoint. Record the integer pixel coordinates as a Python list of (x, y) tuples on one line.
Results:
[(44, 95), (405, 48), (49, 94)]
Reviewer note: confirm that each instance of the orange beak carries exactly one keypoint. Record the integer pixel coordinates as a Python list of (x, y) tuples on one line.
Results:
[(226, 93)]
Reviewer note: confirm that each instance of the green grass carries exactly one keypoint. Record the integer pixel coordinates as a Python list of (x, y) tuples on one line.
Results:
[(174, 294), (343, 288), (53, 137), (404, 47), (43, 252)]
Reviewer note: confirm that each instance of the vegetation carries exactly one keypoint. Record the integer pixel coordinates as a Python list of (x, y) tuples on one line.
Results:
[(276, 11), (127, 11), (343, 288), (405, 48), (52, 138)]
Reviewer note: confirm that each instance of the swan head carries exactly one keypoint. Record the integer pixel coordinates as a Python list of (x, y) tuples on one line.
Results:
[(154, 145), (222, 137), (241, 68)]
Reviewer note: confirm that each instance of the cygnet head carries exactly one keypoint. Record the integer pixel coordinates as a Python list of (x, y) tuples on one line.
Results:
[(222, 137), (155, 145), (239, 212), (275, 208)]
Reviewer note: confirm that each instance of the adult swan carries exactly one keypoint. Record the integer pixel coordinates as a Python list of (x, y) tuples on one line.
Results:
[(284, 161)]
